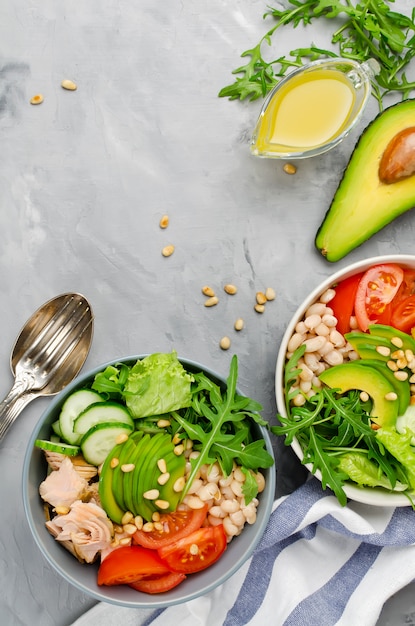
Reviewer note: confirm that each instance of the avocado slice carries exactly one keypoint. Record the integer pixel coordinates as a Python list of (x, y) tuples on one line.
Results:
[(354, 375), (105, 489), (402, 388), (362, 204), (388, 332), (366, 345)]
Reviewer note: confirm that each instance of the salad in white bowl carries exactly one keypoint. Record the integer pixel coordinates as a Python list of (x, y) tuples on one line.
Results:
[(152, 466), (345, 382)]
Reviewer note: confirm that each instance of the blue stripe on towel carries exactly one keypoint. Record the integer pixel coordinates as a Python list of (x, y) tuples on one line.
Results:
[(326, 606)]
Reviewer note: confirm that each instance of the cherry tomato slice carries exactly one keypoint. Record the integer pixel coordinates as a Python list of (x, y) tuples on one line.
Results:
[(343, 302), (403, 315), (128, 564), (174, 526), (195, 552), (376, 290), (407, 287), (158, 584)]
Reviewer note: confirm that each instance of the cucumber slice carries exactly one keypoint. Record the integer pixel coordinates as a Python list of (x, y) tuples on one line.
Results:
[(99, 440), (62, 448), (77, 402), (99, 413)]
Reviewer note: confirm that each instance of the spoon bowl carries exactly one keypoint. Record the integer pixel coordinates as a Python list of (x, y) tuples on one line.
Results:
[(48, 354)]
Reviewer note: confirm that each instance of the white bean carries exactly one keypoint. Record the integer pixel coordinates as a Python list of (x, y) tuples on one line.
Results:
[(305, 386), (230, 528), (326, 348), (327, 296), (295, 341), (322, 329), (314, 344), (306, 373), (238, 518), (311, 360), (301, 328), (318, 308), (337, 338), (230, 506), (334, 357), (312, 321), (329, 320)]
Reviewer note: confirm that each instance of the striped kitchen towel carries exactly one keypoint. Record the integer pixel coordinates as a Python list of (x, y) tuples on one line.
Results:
[(317, 564)]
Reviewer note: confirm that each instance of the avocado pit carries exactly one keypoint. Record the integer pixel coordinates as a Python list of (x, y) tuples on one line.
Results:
[(398, 160)]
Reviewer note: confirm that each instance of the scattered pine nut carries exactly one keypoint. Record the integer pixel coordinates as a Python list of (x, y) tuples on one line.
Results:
[(114, 462), (239, 324), (163, 478), (164, 221), (289, 168), (364, 396), (62, 510), (126, 518), (155, 516), (179, 484), (161, 464), (69, 85), (121, 438), (212, 301), (37, 99), (151, 494), (225, 343), (230, 289), (179, 449), (130, 529), (260, 297), (168, 250), (162, 504), (391, 396), (163, 423), (259, 308), (208, 291), (127, 467), (269, 293)]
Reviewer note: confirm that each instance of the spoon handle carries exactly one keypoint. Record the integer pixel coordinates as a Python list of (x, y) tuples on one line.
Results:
[(12, 405)]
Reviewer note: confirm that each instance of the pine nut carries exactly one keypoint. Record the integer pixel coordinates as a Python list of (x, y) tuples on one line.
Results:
[(178, 450), (208, 291), (259, 308), (68, 84), (114, 462), (239, 324), (163, 423), (130, 529), (289, 168), (139, 522), (162, 504), (126, 518), (260, 297), (364, 396), (179, 484), (164, 221), (401, 375), (148, 527), (37, 99), (62, 510), (151, 494), (125, 541), (225, 343), (383, 350), (392, 365), (158, 526), (230, 289), (212, 301), (270, 294), (121, 438), (161, 464), (168, 250), (397, 342), (155, 517), (163, 478), (127, 467), (391, 396)]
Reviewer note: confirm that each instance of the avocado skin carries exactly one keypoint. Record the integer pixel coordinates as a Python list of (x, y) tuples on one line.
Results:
[(362, 204), (354, 375)]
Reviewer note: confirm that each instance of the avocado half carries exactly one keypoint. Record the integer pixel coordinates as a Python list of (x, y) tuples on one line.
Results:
[(362, 204)]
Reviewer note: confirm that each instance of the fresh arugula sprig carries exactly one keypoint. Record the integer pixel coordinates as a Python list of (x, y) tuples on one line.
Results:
[(218, 422), (369, 29)]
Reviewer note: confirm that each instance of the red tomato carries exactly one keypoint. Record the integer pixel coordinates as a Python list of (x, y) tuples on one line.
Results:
[(158, 584), (376, 290), (174, 526), (403, 315), (343, 302), (196, 551), (407, 287), (128, 564)]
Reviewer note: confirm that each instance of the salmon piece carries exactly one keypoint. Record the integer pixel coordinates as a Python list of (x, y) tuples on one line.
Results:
[(63, 486), (85, 531)]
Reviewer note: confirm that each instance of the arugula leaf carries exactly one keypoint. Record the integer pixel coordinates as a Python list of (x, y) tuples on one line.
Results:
[(225, 433), (368, 30)]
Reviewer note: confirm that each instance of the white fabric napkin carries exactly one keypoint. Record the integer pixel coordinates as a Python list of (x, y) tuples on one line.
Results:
[(317, 564)]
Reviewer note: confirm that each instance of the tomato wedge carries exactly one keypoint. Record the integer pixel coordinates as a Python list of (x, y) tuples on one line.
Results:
[(343, 302), (174, 526), (128, 564), (195, 552), (158, 584), (403, 315), (375, 292)]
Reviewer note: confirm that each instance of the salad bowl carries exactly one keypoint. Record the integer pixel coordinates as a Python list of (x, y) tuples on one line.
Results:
[(84, 576), (372, 495)]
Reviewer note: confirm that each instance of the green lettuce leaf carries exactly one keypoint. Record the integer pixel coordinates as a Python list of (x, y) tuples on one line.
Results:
[(399, 445), (157, 384), (364, 472)]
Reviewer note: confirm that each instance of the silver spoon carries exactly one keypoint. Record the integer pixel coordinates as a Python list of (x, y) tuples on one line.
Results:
[(49, 352)]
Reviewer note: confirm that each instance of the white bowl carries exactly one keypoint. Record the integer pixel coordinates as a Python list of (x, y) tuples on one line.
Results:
[(367, 495), (84, 577)]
